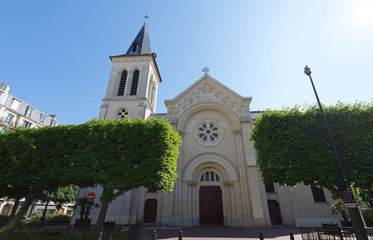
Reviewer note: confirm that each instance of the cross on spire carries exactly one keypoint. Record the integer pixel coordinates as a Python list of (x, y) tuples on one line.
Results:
[(206, 70), (146, 16)]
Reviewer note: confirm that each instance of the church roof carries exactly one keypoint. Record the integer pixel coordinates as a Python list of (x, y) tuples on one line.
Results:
[(141, 44)]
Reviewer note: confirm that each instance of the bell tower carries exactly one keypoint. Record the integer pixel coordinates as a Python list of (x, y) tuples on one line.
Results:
[(133, 83)]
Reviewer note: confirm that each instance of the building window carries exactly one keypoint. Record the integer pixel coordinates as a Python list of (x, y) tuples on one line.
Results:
[(209, 176), (135, 82), (208, 133), (9, 118), (270, 188), (26, 124), (42, 118), (15, 104), (53, 123), (122, 113), (122, 84), (318, 194), (29, 111)]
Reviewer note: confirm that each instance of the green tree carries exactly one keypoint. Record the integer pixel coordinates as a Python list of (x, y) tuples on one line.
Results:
[(119, 155), (64, 195), (42, 160), (131, 154), (293, 146)]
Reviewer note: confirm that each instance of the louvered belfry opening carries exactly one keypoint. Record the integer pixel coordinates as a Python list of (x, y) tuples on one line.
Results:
[(135, 46), (135, 82), (122, 84)]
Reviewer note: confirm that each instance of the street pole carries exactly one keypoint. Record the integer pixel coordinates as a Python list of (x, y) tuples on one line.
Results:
[(356, 219)]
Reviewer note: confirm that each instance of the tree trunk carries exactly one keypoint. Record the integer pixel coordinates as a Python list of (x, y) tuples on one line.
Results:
[(15, 206), (101, 217), (82, 212), (22, 211)]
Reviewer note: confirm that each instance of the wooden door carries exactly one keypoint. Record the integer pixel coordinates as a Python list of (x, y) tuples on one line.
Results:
[(150, 211), (210, 206), (274, 212)]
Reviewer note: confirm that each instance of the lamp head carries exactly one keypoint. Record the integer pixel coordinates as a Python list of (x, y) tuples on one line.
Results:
[(307, 71)]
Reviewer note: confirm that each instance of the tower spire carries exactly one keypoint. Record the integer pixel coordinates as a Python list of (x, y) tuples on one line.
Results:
[(141, 44)]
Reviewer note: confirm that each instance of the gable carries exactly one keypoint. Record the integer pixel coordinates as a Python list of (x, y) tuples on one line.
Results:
[(207, 90)]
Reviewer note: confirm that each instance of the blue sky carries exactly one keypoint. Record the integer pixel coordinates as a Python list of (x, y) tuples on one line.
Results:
[(55, 54)]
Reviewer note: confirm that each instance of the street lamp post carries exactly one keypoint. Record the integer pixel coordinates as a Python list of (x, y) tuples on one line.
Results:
[(356, 219)]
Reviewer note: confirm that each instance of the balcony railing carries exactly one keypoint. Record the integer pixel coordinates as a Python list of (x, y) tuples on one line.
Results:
[(10, 124)]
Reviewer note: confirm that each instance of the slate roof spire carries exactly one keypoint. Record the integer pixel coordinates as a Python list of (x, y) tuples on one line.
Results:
[(141, 44)]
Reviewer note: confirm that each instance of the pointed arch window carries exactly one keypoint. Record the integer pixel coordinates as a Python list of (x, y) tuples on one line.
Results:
[(209, 176), (135, 82), (122, 83)]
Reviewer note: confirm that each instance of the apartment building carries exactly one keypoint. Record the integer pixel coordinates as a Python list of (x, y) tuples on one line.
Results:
[(15, 113)]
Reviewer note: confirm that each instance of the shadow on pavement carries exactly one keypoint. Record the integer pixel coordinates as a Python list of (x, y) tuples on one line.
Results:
[(219, 232)]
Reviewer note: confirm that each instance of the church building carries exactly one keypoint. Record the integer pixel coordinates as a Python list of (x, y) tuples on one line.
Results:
[(219, 182)]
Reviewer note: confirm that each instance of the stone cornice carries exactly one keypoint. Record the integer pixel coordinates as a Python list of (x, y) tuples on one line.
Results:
[(209, 106)]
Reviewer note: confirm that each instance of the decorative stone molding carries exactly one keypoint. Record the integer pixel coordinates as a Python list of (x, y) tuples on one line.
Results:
[(206, 160), (131, 60), (209, 106), (228, 184), (191, 183), (237, 131), (215, 93)]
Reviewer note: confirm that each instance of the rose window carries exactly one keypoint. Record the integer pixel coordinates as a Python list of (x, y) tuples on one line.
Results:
[(208, 133), (122, 112)]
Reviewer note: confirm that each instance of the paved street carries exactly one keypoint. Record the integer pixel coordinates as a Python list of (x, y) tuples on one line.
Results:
[(220, 233)]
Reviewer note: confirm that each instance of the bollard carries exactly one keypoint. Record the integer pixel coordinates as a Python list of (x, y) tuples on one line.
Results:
[(154, 235), (181, 235), (261, 237), (291, 236)]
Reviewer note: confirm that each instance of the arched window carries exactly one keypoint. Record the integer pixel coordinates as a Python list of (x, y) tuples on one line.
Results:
[(135, 82), (209, 176), (122, 83)]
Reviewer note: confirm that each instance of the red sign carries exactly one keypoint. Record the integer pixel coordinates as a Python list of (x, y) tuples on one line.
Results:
[(91, 196), (347, 196)]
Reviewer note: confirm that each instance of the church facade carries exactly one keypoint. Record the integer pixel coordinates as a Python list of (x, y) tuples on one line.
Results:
[(218, 183)]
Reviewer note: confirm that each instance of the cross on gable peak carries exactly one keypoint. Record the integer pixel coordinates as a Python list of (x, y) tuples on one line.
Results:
[(206, 70)]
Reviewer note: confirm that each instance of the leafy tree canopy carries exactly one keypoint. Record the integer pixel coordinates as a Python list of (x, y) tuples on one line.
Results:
[(64, 195), (293, 146), (119, 155)]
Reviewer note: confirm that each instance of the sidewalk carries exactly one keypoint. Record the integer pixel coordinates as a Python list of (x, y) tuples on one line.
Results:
[(220, 233)]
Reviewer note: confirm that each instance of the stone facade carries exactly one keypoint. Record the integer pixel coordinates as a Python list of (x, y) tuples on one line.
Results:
[(218, 181)]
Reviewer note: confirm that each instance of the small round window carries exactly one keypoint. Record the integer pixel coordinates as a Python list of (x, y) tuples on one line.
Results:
[(208, 133), (122, 112)]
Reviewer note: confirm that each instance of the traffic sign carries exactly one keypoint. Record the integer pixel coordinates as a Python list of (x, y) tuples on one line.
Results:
[(350, 205), (347, 196), (91, 197)]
